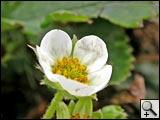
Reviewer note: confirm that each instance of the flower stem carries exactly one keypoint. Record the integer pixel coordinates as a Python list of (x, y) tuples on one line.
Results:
[(52, 107)]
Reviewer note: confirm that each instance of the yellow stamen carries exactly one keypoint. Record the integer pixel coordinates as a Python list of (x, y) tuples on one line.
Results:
[(71, 68), (77, 116)]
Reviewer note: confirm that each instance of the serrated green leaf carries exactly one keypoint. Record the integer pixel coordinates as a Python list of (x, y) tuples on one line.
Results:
[(33, 13), (71, 106), (62, 111), (83, 108), (63, 17), (127, 14), (119, 50), (113, 112), (97, 115)]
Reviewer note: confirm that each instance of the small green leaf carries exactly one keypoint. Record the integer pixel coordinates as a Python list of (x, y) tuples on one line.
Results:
[(113, 112), (97, 115), (83, 107), (62, 111), (63, 17), (71, 106)]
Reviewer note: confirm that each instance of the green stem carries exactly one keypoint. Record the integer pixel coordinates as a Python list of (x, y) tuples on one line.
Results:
[(52, 107)]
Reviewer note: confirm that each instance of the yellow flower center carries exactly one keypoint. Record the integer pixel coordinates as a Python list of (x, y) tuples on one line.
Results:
[(71, 68)]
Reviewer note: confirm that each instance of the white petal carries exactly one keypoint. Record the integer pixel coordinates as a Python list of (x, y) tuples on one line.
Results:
[(100, 78), (46, 62), (76, 88), (92, 51), (44, 59), (56, 43)]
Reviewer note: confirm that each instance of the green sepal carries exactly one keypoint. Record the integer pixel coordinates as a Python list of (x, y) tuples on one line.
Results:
[(71, 106), (74, 40), (62, 111), (53, 105), (83, 107)]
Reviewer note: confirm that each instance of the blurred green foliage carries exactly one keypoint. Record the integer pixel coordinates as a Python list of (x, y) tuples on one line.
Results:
[(113, 112), (151, 73), (26, 22)]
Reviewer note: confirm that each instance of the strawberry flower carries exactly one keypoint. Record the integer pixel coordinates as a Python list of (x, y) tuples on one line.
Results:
[(81, 68)]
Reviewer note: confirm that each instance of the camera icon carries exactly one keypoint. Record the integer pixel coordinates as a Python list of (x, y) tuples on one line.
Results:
[(149, 108)]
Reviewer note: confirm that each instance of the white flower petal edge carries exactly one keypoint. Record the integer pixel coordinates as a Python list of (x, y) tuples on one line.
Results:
[(75, 88), (100, 80), (92, 51), (45, 61), (56, 43)]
